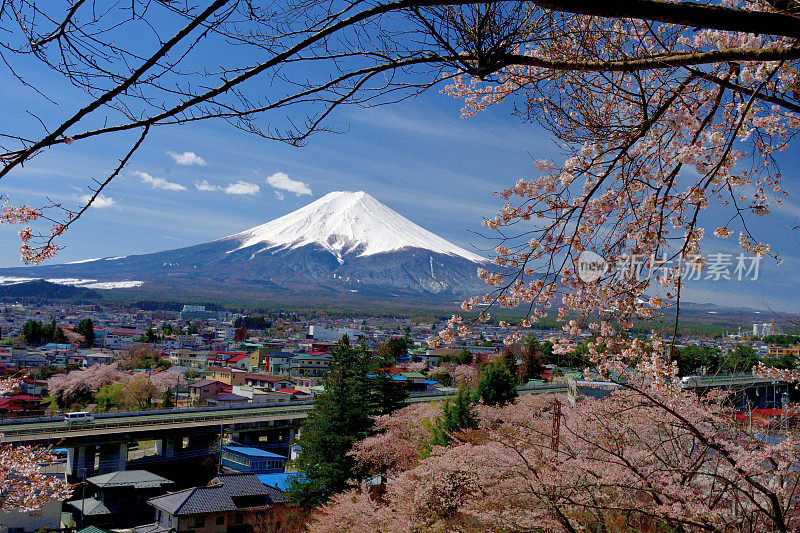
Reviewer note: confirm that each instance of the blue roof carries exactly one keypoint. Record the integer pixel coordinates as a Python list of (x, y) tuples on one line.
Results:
[(278, 481), (256, 452), (430, 382), (398, 377)]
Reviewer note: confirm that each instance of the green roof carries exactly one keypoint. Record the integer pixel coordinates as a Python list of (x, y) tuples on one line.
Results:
[(93, 529), (415, 375)]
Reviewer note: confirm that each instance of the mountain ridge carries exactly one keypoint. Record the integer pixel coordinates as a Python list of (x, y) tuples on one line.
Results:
[(344, 242)]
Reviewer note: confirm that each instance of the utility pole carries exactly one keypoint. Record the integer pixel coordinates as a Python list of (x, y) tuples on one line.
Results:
[(556, 425)]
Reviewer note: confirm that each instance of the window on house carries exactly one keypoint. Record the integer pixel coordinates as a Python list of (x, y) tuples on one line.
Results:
[(239, 518), (197, 521), (220, 520)]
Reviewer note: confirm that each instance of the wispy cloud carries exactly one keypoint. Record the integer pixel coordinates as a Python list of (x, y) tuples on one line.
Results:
[(281, 181), (158, 183), (101, 202), (280, 195), (240, 188), (187, 158)]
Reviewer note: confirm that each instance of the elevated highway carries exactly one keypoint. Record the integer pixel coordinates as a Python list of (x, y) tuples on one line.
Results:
[(130, 425)]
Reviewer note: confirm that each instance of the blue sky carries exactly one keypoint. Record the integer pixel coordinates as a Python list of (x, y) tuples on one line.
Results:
[(418, 157)]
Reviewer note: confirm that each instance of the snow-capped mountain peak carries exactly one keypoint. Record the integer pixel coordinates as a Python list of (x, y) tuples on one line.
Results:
[(348, 222)]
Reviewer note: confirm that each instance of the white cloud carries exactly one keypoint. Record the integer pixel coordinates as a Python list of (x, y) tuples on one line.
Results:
[(280, 195), (100, 202), (241, 188), (281, 181), (204, 185), (158, 183), (187, 158)]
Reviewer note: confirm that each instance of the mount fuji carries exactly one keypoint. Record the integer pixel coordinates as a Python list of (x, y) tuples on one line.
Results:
[(345, 243)]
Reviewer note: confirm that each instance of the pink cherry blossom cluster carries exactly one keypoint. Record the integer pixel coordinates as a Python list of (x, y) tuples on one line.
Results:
[(646, 153), (23, 486)]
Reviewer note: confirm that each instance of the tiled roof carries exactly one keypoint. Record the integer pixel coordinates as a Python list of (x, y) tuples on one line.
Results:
[(140, 479), (231, 398), (90, 506), (204, 383), (217, 497)]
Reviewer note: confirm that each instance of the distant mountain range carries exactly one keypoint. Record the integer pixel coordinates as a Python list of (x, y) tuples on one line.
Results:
[(345, 243)]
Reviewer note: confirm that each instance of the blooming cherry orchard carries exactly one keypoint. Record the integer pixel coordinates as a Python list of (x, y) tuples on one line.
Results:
[(141, 387), (645, 459)]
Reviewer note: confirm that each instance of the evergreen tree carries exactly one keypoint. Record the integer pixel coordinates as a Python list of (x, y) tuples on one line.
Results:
[(457, 415), (464, 357), (168, 399), (341, 416), (510, 358), (59, 337), (531, 360), (86, 328), (497, 386), (32, 332), (387, 395), (49, 331)]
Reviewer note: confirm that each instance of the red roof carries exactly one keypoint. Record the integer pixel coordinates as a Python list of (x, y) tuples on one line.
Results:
[(237, 358), (290, 391)]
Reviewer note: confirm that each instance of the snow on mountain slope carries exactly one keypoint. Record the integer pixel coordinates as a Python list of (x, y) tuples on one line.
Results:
[(345, 222)]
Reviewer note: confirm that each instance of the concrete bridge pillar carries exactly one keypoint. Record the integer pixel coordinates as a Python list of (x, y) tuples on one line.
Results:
[(113, 457), (80, 461), (201, 442), (166, 447)]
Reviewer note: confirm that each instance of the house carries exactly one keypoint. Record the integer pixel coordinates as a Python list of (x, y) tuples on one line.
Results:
[(266, 382), (314, 364), (240, 361), (189, 358), (20, 406), (46, 518), (228, 376), (30, 360), (279, 362), (33, 387), (231, 503), (414, 381), (117, 499), (91, 358), (248, 460), (228, 398), (121, 337), (205, 389), (295, 394)]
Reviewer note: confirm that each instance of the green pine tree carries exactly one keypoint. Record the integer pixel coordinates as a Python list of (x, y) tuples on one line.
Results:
[(457, 414), (341, 416), (497, 386), (86, 328)]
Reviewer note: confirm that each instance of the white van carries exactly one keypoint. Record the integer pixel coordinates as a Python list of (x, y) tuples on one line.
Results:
[(79, 417)]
